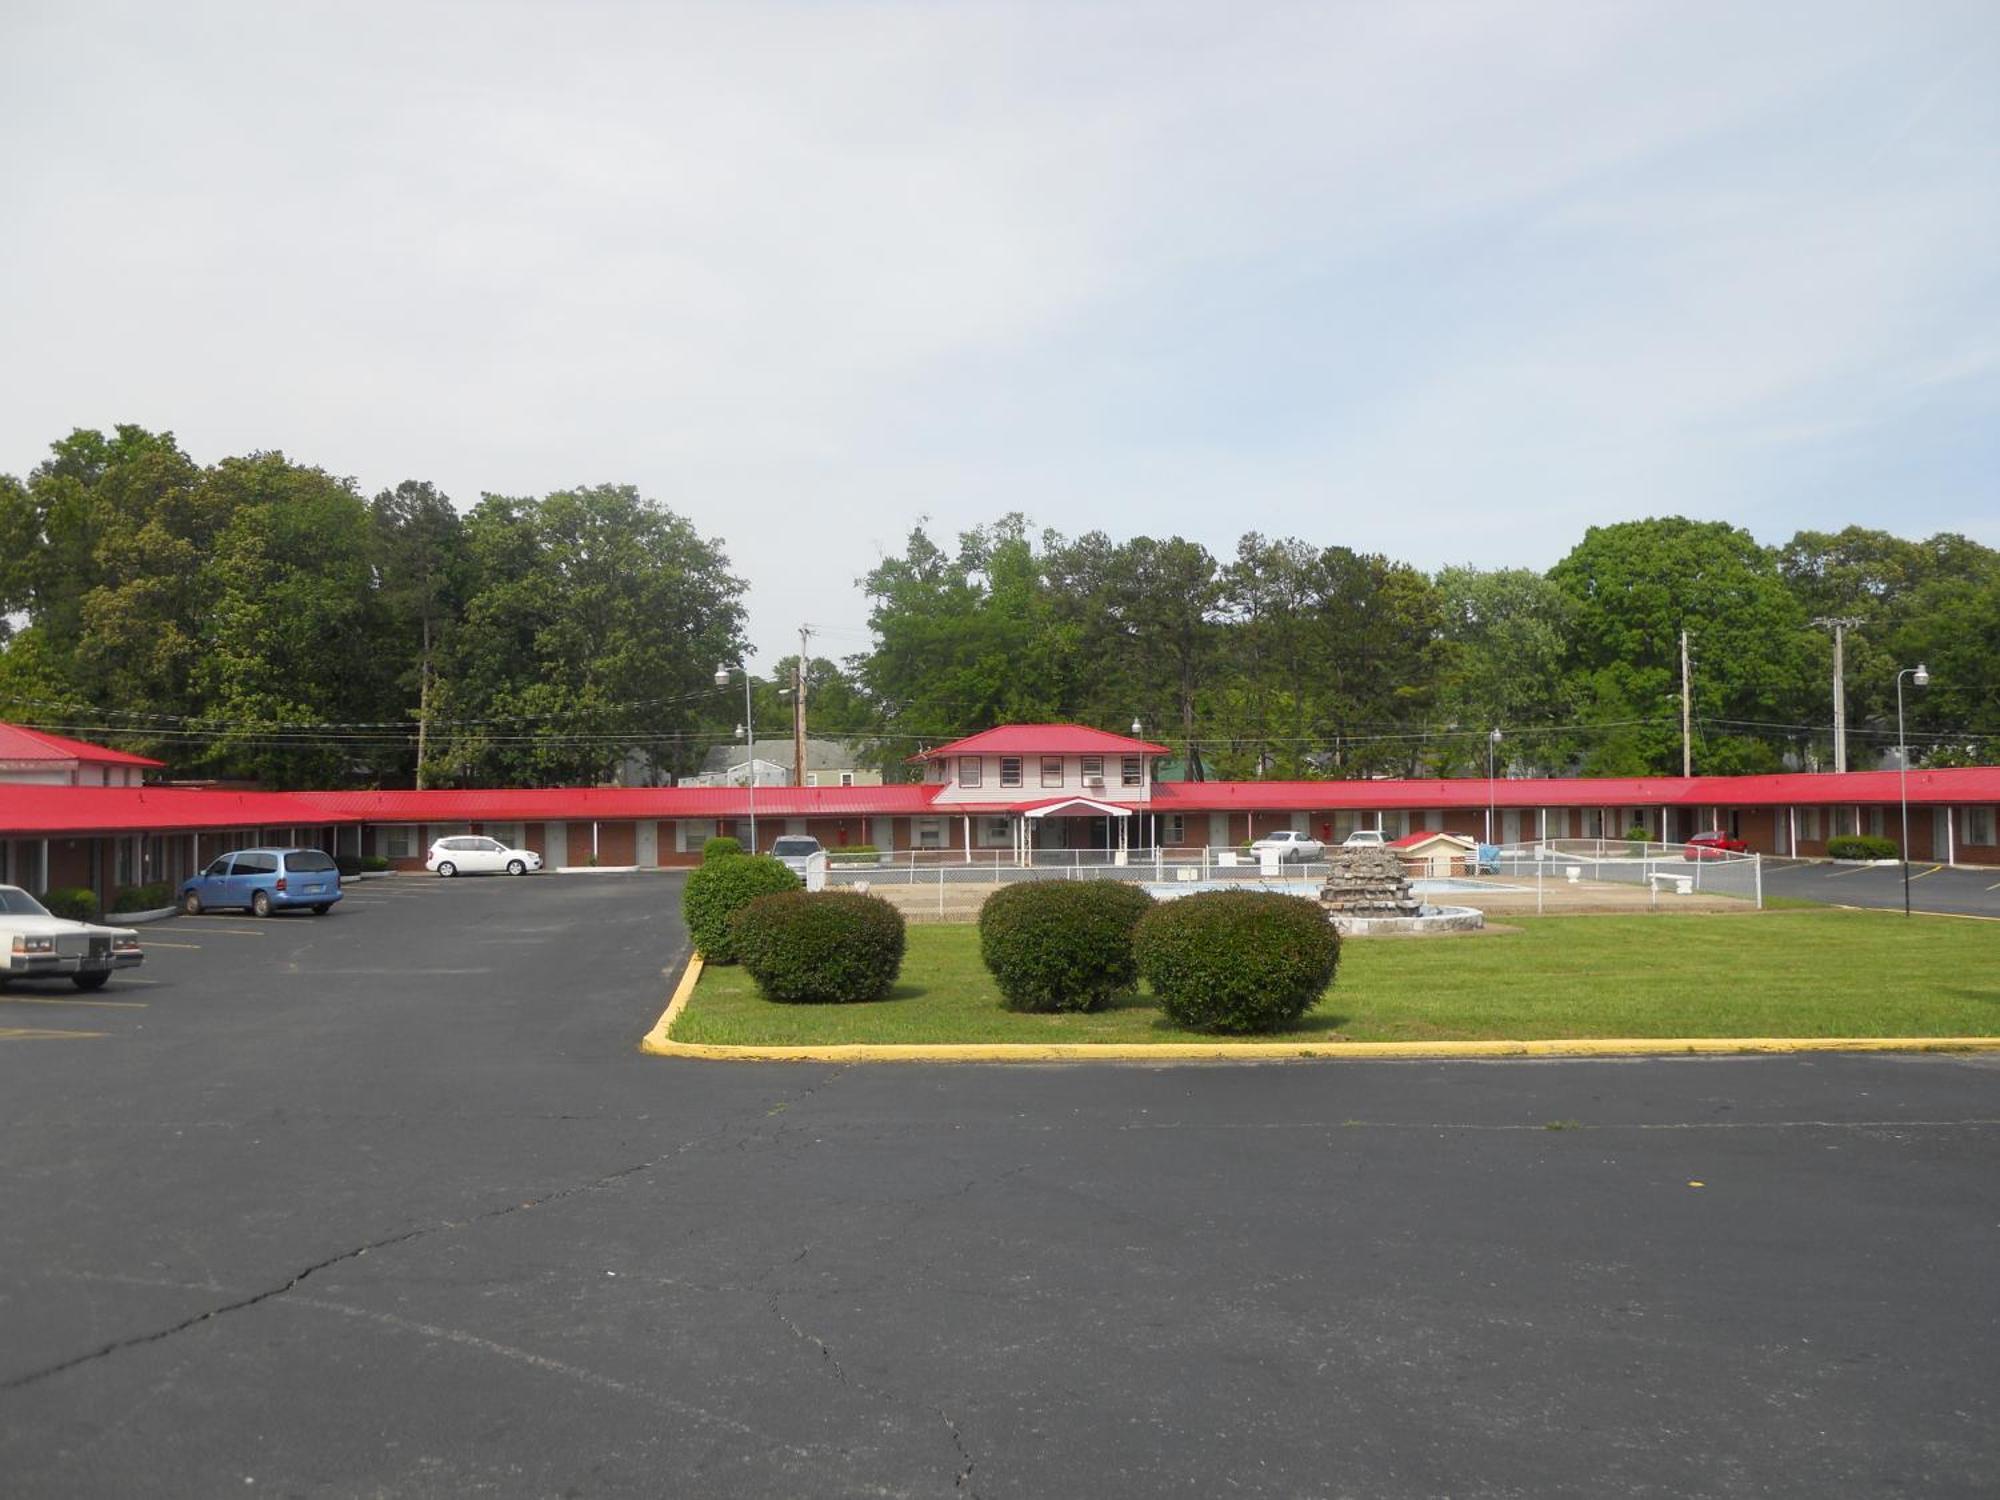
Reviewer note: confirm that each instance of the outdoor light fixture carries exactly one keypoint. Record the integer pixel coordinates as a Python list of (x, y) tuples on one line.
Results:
[(749, 729), (1135, 729), (1921, 676)]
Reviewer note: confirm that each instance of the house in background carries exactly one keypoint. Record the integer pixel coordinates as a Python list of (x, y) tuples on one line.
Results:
[(829, 762), (38, 758)]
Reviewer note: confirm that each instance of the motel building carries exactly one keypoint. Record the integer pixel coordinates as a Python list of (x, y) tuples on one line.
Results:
[(75, 814)]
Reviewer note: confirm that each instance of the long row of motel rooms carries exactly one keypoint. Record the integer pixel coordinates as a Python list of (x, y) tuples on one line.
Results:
[(76, 814)]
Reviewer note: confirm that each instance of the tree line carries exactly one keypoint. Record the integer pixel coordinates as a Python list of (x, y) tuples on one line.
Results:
[(261, 619), (1296, 659)]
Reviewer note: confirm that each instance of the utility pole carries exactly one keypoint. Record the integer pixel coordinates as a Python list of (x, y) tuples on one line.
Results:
[(1839, 625), (799, 710), (1687, 740)]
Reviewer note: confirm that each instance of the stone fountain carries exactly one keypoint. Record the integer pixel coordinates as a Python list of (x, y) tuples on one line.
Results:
[(1367, 894)]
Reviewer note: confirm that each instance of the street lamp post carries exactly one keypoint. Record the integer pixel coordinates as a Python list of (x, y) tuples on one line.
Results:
[(1492, 744), (1920, 675), (750, 740)]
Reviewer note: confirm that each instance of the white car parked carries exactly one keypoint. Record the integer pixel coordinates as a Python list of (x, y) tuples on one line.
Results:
[(475, 854), (1364, 838), (34, 943), (1289, 843)]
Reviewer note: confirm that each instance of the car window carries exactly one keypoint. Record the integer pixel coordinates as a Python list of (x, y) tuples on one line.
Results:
[(308, 861), (796, 846), (256, 864), (18, 903), (491, 846), (220, 867)]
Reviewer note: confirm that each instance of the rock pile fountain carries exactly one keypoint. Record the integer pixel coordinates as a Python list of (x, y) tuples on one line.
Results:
[(1367, 894)]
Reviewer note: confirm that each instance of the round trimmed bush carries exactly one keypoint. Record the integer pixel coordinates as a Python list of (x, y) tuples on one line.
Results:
[(1861, 846), (719, 847), (1237, 961), (820, 947), (1061, 944), (74, 902), (719, 889)]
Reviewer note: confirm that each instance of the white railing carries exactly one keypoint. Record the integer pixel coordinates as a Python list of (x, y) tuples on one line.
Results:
[(1666, 869)]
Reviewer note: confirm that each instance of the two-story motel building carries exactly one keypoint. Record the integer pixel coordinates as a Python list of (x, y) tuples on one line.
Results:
[(993, 796)]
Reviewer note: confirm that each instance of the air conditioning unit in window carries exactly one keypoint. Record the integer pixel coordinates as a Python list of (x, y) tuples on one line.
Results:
[(1096, 781)]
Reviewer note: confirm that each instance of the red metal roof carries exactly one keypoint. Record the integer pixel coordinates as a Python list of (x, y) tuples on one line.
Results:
[(1974, 784), (30, 810), (1045, 739), (17, 742), (582, 804)]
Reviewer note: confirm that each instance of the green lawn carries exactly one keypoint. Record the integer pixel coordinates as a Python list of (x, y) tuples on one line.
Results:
[(1782, 973)]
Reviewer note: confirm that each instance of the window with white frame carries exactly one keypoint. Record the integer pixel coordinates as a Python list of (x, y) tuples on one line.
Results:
[(1052, 772), (1133, 771), (999, 831), (1010, 770), (399, 841), (1173, 829), (969, 770), (847, 778), (929, 832), (1093, 768), (1976, 825)]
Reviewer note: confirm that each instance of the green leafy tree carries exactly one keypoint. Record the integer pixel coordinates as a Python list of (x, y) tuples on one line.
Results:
[(1634, 587), (593, 623)]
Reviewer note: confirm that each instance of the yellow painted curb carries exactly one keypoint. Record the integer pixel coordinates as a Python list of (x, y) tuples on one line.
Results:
[(658, 1044)]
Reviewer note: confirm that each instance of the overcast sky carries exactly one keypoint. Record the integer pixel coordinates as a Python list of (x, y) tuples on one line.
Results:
[(1446, 281)]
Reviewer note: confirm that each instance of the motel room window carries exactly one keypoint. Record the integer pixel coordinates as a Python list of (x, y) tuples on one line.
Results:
[(1052, 770), (1976, 826), (399, 842), (1134, 772), (997, 831), (1809, 823), (968, 770), (1093, 768), (1173, 829), (930, 833), (1010, 770), (1875, 821)]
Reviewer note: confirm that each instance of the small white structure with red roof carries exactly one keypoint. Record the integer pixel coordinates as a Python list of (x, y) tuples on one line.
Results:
[(1435, 854)]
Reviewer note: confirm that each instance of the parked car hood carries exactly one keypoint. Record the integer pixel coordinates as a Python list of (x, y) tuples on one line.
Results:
[(55, 926)]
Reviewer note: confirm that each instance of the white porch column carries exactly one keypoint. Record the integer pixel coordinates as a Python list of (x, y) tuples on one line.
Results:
[(968, 838), (1792, 827), (1950, 834)]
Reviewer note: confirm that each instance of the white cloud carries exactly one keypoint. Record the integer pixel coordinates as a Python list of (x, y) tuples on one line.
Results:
[(1450, 281)]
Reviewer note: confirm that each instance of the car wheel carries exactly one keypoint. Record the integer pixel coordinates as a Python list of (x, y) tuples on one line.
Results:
[(191, 903), (517, 867), (320, 911), (89, 981), (446, 869), (260, 903)]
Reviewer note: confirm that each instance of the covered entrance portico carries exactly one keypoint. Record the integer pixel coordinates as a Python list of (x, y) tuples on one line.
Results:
[(1073, 823)]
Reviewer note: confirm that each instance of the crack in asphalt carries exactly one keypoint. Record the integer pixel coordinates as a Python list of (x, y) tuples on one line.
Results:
[(423, 1231)]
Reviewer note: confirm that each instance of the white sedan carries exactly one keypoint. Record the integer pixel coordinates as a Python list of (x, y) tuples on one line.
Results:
[(475, 854), (34, 944), (1288, 843)]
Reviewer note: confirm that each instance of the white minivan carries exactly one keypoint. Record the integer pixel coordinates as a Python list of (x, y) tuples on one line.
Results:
[(475, 854)]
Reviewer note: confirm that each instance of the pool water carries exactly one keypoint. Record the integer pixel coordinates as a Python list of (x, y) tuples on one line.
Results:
[(1310, 887)]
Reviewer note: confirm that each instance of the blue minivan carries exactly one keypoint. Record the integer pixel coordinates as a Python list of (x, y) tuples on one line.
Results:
[(265, 880)]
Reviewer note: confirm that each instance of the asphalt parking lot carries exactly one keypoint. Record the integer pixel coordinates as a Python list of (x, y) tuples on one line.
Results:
[(387, 1203), (1939, 889)]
